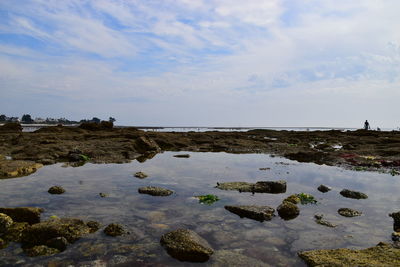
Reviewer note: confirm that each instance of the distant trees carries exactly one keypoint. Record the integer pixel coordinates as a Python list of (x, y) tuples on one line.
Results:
[(3, 118), (111, 119), (26, 118)]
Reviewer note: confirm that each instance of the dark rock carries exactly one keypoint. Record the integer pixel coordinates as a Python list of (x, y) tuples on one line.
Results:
[(93, 225), (353, 194), (258, 213), (146, 156), (144, 144), (396, 236), (182, 156), (346, 212), (288, 210), (396, 218), (155, 191), (59, 243), (56, 190), (40, 251), (274, 187), (293, 199), (114, 229), (323, 188), (15, 232), (75, 155), (103, 195), (69, 228), (140, 175), (5, 223), (186, 245), (26, 214), (317, 157), (3, 243), (319, 218)]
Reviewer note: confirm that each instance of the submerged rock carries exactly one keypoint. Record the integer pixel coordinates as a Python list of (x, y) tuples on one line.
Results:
[(25, 214), (40, 251), (56, 190), (233, 258), (5, 223), (182, 156), (288, 210), (274, 187), (155, 191), (114, 229), (346, 212), (258, 213), (186, 245), (380, 255), (323, 188), (319, 218), (353, 194), (140, 175), (17, 168), (396, 218), (59, 243)]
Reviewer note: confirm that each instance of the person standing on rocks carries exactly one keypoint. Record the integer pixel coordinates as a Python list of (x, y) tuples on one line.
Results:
[(366, 125)]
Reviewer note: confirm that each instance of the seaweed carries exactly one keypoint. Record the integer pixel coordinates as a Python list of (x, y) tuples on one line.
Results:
[(207, 199), (306, 199)]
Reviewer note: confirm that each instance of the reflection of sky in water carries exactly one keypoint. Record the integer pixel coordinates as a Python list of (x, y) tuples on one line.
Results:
[(147, 217)]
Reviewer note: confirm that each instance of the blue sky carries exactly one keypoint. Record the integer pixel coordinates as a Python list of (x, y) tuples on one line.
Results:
[(203, 62)]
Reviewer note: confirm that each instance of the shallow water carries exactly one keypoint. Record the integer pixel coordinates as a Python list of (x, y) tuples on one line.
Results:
[(274, 242)]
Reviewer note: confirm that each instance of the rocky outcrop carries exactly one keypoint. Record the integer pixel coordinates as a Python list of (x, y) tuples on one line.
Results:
[(25, 214), (258, 213), (155, 191), (324, 189), (378, 256), (17, 168), (288, 210), (186, 245), (273, 187), (56, 190), (346, 212), (353, 194), (114, 229)]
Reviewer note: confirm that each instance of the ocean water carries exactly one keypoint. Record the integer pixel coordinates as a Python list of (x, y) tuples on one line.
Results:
[(147, 218)]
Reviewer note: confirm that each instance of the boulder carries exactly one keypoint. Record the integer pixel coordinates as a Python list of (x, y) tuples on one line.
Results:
[(346, 212), (56, 190), (155, 191), (293, 199), (114, 229), (15, 232), (140, 175), (186, 245), (396, 218), (380, 255), (40, 251), (288, 210), (59, 243), (353, 194), (258, 213), (323, 188), (25, 214), (5, 223), (274, 187), (17, 168)]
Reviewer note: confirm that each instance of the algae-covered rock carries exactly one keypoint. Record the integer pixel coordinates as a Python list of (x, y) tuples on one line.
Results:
[(93, 226), (186, 245), (155, 191), (293, 199), (56, 190), (324, 189), (114, 229), (274, 187), (5, 223), (379, 256), (258, 213), (396, 218), (40, 251), (23, 214), (288, 210), (353, 194), (396, 236), (140, 175), (346, 212), (69, 228), (15, 232), (17, 168), (59, 243)]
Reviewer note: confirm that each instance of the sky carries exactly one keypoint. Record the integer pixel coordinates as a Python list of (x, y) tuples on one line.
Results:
[(250, 63)]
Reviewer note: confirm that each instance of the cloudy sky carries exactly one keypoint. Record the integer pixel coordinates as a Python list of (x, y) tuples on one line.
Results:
[(203, 62)]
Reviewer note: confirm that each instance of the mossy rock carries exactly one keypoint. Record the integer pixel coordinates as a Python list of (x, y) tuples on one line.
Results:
[(114, 229), (5, 223), (23, 214), (288, 210), (40, 251)]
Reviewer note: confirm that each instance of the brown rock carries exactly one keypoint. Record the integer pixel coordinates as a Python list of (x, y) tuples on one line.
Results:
[(26, 214)]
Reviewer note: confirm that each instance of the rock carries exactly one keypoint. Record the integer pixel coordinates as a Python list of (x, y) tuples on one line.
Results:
[(396, 218), (15, 232), (323, 188), (17, 168), (319, 219), (182, 156), (186, 245), (155, 191), (274, 187), (56, 190), (353, 194), (3, 243), (258, 213), (140, 175), (40, 251), (232, 258), (293, 199), (380, 255), (144, 145), (59, 243), (25, 214), (288, 210), (346, 212), (103, 195), (11, 127), (69, 228), (5, 223), (114, 229), (396, 236), (93, 225)]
